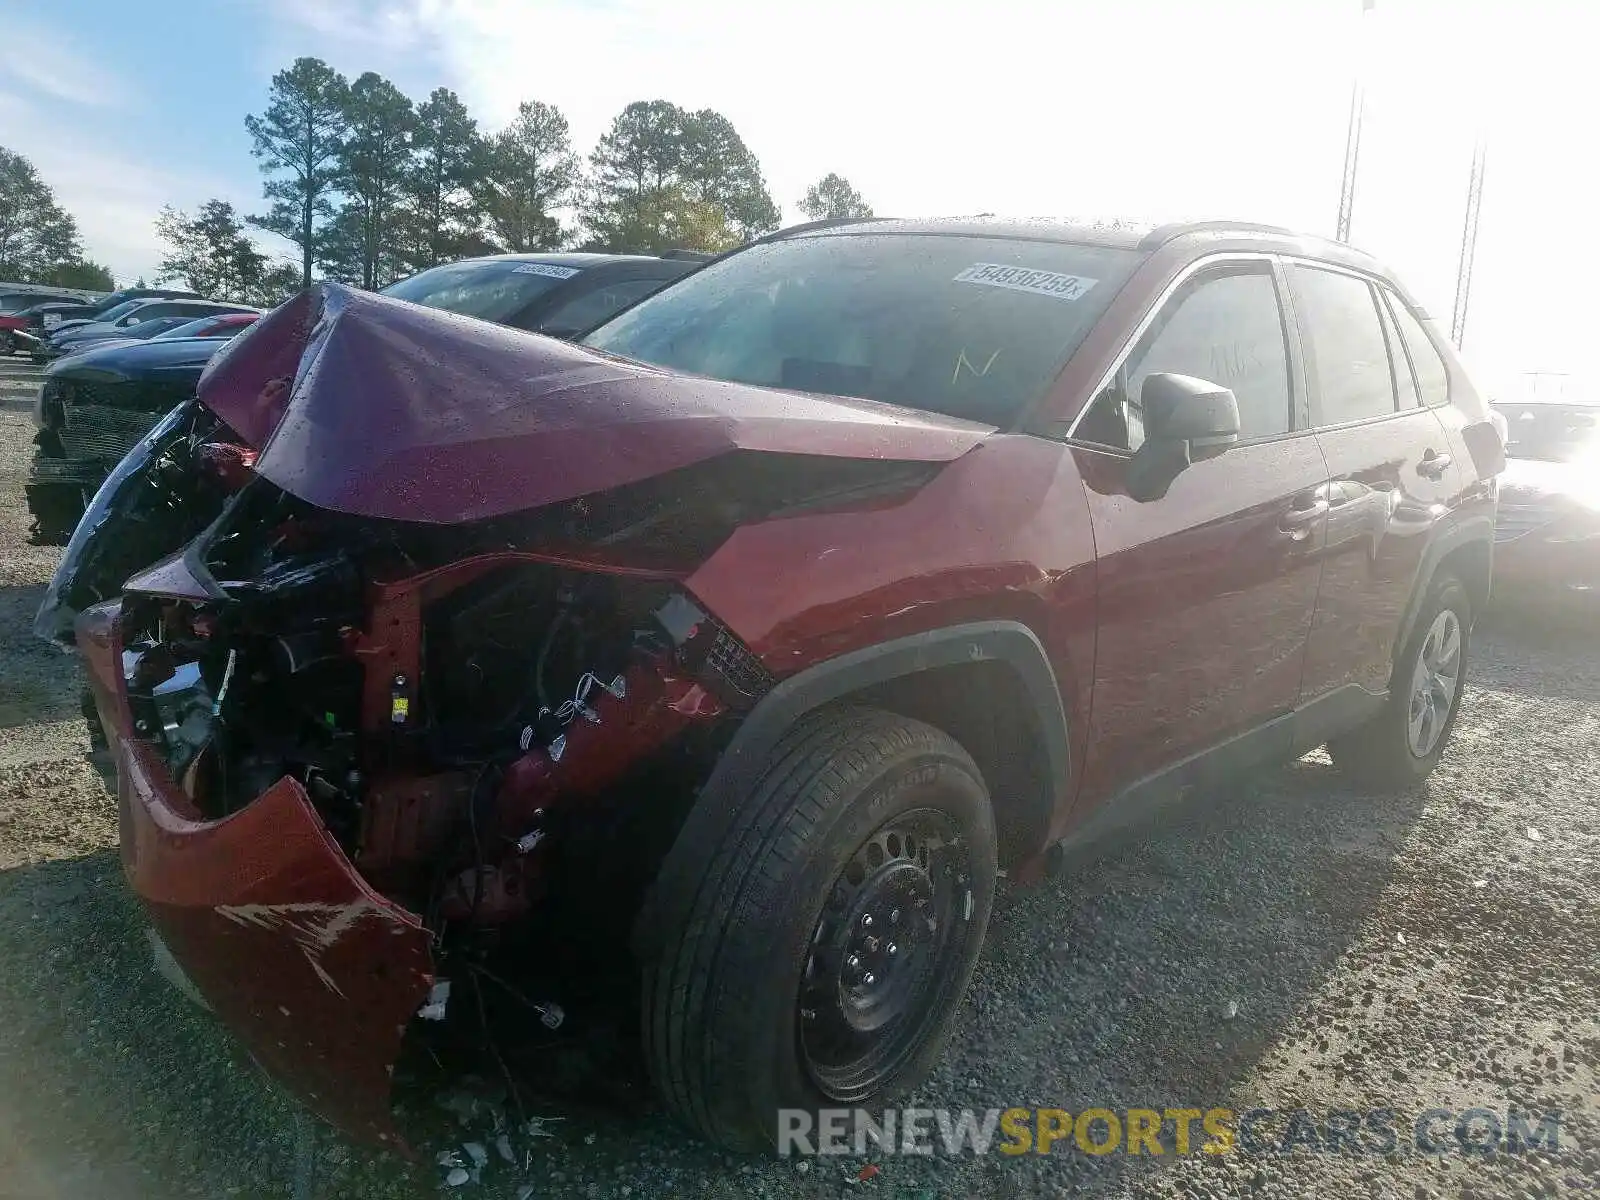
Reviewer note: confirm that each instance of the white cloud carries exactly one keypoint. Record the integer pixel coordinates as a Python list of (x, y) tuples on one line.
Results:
[(34, 61), (49, 92)]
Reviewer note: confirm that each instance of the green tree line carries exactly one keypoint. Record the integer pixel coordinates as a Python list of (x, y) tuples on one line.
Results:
[(39, 240), (370, 186)]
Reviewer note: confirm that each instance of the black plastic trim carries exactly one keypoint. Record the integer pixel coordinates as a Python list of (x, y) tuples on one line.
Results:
[(1463, 532)]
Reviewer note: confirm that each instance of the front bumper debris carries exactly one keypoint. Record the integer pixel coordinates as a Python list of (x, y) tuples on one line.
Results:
[(314, 971)]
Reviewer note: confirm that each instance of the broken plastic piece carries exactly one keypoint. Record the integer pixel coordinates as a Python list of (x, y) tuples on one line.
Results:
[(680, 617), (438, 1000), (550, 1015)]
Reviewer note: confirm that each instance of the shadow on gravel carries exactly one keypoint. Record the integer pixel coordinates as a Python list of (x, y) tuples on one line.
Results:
[(1538, 652), (40, 683), (129, 1090), (1112, 987)]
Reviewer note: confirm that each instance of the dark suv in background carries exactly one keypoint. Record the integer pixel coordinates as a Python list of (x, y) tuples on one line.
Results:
[(726, 656), (96, 403)]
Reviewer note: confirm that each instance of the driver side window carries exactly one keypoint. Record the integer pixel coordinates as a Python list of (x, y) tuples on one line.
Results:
[(1223, 326)]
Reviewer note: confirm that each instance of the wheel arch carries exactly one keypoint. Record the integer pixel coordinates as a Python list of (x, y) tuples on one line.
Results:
[(1465, 550), (989, 685)]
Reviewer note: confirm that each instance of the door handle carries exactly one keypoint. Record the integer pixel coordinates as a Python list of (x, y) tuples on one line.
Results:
[(1297, 521), (1433, 466)]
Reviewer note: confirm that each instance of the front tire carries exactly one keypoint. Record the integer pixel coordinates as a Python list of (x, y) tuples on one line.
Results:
[(1400, 746), (832, 933)]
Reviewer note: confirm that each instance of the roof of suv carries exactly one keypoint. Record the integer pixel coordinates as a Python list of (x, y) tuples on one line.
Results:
[(573, 259), (1113, 232), (221, 306)]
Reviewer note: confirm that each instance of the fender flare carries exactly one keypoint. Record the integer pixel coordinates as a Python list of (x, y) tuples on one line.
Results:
[(716, 810), (1465, 532)]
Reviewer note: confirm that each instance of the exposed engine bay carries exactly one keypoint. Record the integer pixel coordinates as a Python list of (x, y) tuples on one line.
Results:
[(502, 740)]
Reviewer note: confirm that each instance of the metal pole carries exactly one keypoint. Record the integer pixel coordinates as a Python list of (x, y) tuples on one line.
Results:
[(1469, 244), (1352, 137)]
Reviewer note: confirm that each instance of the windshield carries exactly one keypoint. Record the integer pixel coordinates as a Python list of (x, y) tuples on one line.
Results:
[(203, 327), (152, 327), (119, 311), (1551, 432), (495, 290), (972, 327)]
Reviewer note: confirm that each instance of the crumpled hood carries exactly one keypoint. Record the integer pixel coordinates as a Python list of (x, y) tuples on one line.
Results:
[(372, 406)]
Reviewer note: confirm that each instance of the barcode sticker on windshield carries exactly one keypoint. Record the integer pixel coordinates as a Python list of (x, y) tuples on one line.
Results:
[(1023, 279), (549, 269)]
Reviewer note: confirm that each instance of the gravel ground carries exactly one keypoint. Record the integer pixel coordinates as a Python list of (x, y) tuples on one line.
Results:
[(1293, 944)]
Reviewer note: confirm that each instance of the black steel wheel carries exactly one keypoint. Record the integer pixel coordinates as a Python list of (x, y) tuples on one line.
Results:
[(888, 934), (812, 951)]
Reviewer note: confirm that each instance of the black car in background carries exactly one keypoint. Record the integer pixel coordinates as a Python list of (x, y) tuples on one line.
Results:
[(96, 405)]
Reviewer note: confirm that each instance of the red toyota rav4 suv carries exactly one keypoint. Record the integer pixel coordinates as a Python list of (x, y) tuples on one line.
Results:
[(743, 644)]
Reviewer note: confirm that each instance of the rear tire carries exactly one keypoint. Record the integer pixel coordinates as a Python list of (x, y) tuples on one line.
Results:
[(1398, 748), (832, 932)]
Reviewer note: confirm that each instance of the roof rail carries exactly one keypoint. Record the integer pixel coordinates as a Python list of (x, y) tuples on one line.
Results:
[(1162, 234), (808, 226), (686, 255)]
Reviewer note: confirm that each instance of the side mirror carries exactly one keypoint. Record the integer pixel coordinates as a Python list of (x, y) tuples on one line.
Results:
[(1186, 420)]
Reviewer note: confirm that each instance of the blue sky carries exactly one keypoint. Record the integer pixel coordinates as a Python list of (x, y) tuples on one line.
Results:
[(1150, 109)]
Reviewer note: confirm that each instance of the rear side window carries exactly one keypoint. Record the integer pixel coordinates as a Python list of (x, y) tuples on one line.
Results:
[(1433, 379), (1347, 357), (1405, 383)]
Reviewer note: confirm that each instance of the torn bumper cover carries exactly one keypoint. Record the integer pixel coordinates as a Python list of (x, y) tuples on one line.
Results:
[(315, 972)]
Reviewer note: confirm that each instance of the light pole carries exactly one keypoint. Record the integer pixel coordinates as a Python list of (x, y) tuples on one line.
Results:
[(1469, 244), (1352, 137)]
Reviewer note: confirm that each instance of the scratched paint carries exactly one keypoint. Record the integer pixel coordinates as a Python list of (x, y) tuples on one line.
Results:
[(316, 926)]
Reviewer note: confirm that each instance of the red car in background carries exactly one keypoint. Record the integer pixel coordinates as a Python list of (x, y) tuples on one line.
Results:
[(728, 655), (1547, 533)]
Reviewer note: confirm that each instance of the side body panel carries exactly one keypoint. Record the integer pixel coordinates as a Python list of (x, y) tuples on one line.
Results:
[(1206, 599), (1002, 534)]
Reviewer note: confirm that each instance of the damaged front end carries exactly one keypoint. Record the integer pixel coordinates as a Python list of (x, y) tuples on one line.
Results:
[(347, 764), (378, 743)]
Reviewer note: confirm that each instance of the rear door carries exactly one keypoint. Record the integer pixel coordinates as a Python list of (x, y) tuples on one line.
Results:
[(1205, 595), (1391, 468)]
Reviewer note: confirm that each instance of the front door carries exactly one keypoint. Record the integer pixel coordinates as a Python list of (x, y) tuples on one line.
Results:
[(1205, 596)]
